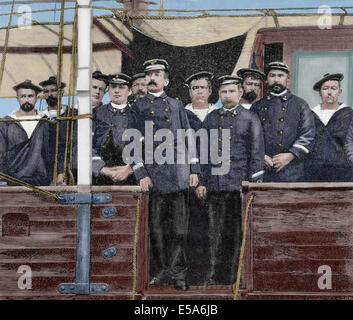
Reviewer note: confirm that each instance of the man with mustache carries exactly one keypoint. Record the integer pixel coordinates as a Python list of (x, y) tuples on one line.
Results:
[(24, 144), (328, 161), (138, 87), (222, 191), (252, 85), (50, 90), (168, 182), (288, 125), (200, 89), (111, 120)]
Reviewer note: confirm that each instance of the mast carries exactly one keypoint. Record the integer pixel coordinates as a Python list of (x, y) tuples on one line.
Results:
[(84, 128)]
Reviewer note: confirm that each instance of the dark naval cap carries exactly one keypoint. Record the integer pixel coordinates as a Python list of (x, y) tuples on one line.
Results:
[(100, 76), (138, 76), (326, 77), (277, 65), (27, 84), (120, 78), (51, 80), (156, 64), (199, 75), (223, 80), (248, 72)]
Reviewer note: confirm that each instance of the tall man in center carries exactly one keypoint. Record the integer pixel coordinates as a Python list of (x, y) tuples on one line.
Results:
[(168, 182), (288, 126)]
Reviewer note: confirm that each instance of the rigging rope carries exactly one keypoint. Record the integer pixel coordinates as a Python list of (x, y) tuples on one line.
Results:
[(134, 254), (2, 68), (242, 248), (59, 70)]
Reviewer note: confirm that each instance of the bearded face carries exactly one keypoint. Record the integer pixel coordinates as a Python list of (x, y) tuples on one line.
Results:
[(250, 96), (27, 106)]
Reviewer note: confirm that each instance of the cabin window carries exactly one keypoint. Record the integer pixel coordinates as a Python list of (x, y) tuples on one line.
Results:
[(273, 52), (15, 224), (310, 66)]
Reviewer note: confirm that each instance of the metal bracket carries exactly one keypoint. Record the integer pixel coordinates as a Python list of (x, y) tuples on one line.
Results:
[(109, 212), (82, 284), (83, 288)]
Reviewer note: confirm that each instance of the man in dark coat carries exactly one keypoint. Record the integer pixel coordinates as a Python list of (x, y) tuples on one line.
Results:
[(168, 180), (111, 121), (328, 161), (200, 89), (288, 126), (252, 86), (24, 145), (239, 147), (138, 87)]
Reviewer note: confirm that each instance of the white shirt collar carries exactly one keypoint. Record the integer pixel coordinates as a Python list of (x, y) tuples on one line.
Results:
[(279, 94), (118, 106), (156, 94), (326, 114), (201, 113)]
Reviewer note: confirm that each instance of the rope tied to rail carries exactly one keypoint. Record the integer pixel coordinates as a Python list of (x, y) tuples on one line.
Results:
[(236, 285)]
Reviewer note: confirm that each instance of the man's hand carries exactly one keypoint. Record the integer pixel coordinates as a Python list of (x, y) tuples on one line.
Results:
[(281, 160), (108, 171), (60, 178), (194, 180), (268, 162), (146, 184), (121, 173), (201, 192)]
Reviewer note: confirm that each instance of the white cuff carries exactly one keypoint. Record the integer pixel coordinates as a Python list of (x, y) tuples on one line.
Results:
[(96, 158), (137, 166), (301, 147), (194, 160), (257, 174)]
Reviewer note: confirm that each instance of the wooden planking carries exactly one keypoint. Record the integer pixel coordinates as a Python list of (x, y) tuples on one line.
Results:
[(291, 282), (307, 252), (40, 268), (118, 282), (39, 241), (59, 212), (127, 212), (38, 255), (113, 227)]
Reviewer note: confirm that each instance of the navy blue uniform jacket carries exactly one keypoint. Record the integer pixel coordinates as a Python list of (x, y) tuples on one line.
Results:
[(288, 126), (169, 114), (246, 149)]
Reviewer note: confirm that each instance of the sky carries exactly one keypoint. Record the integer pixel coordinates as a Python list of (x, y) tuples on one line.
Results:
[(6, 105)]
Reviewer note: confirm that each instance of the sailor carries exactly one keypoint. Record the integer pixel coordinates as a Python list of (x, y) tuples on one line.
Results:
[(100, 83), (200, 89), (50, 90), (111, 120), (245, 159), (328, 161), (252, 85), (167, 181), (24, 145), (288, 126), (139, 86)]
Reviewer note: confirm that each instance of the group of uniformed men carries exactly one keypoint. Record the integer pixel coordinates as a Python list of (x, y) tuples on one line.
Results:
[(276, 138)]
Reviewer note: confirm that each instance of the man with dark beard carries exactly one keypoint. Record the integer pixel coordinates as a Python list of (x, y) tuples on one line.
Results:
[(252, 85), (288, 125), (24, 144)]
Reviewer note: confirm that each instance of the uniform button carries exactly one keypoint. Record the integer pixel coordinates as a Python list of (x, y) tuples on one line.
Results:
[(124, 114), (265, 108), (229, 149), (153, 123), (231, 127), (103, 147), (166, 109), (279, 144), (230, 160), (169, 132), (126, 159), (283, 109), (280, 131), (219, 139), (168, 120), (219, 162), (152, 101), (135, 100), (170, 144), (219, 150), (230, 137), (221, 117), (219, 128), (233, 115), (155, 136), (152, 112), (281, 119), (164, 100), (263, 119), (177, 98)]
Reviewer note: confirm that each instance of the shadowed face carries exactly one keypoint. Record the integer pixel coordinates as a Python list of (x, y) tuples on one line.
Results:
[(330, 92), (230, 95), (139, 88), (200, 91), (98, 91), (156, 80), (119, 93), (27, 99), (252, 88), (277, 81)]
